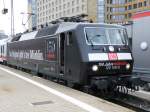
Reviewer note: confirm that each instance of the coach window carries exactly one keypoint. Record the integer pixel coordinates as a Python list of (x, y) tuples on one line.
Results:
[(1, 50), (69, 38)]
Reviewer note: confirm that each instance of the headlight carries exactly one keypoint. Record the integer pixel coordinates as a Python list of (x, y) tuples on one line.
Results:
[(95, 68), (128, 66)]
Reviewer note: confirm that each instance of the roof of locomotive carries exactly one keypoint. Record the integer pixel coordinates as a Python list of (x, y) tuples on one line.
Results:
[(28, 36), (59, 28), (67, 26)]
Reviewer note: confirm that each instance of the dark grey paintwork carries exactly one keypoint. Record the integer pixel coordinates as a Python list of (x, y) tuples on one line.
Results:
[(77, 67)]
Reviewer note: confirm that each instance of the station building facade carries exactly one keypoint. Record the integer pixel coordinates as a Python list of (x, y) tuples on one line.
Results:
[(50, 10), (121, 11), (108, 11)]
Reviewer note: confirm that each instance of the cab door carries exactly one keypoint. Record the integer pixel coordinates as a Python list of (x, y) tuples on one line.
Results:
[(65, 52), (62, 43)]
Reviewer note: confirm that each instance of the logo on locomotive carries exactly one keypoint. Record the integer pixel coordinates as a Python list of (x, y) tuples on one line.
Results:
[(51, 50)]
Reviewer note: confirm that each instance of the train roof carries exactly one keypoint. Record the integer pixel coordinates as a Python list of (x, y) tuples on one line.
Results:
[(4, 41), (47, 31), (28, 36), (72, 25), (59, 28), (67, 26)]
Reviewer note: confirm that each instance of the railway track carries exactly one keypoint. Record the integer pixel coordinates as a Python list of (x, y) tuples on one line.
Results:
[(133, 102), (128, 100)]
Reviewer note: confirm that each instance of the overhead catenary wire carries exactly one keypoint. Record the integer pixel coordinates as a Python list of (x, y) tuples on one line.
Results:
[(12, 19), (29, 16), (4, 3)]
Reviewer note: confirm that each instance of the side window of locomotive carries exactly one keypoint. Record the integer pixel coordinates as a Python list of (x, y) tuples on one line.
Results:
[(1, 50), (69, 38)]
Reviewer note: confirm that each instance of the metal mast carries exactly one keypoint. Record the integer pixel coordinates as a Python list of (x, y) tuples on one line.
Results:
[(12, 19)]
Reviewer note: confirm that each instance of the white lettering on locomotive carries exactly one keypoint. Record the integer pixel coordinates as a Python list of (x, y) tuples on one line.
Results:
[(27, 54)]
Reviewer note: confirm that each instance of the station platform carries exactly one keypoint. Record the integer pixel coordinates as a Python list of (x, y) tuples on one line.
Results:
[(22, 92)]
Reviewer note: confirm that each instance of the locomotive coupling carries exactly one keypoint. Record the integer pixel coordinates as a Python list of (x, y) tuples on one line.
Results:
[(102, 83), (135, 80)]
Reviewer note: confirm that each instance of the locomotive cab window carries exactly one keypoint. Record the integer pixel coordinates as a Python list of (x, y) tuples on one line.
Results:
[(96, 36), (105, 36), (116, 36)]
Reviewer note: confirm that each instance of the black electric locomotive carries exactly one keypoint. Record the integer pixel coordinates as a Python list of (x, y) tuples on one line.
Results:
[(86, 54)]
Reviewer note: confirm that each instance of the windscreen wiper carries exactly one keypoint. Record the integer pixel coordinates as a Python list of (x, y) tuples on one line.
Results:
[(89, 40)]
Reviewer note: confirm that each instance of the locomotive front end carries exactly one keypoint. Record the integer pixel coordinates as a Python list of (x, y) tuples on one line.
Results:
[(110, 61)]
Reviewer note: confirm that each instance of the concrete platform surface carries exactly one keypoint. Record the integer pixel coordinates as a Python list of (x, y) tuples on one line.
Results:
[(22, 92)]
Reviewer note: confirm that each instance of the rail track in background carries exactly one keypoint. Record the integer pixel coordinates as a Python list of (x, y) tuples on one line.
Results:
[(132, 102), (126, 99)]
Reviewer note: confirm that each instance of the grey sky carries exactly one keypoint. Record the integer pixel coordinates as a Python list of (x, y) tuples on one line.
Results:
[(19, 6)]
